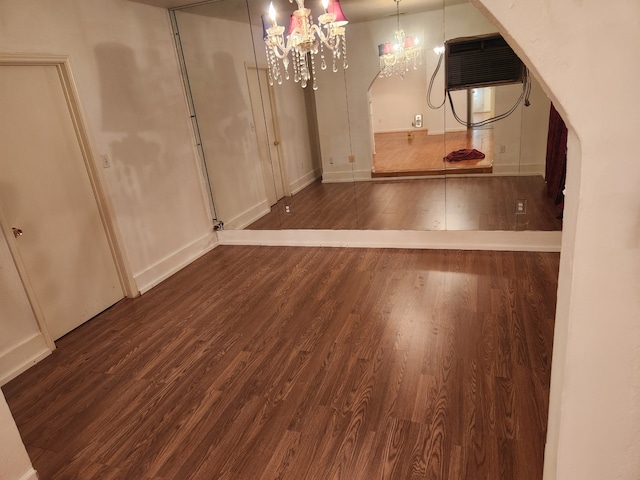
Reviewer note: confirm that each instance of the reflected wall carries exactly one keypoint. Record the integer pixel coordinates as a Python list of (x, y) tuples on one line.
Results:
[(255, 139), (317, 148)]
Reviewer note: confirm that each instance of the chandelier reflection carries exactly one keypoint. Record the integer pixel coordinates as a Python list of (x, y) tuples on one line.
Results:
[(399, 57), (304, 41)]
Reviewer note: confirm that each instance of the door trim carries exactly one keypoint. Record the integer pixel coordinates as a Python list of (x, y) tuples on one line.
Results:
[(286, 187), (114, 238)]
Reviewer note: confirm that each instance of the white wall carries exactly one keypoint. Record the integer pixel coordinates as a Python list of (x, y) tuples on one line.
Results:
[(524, 134), (216, 53), (397, 99), (302, 164), (345, 132), (594, 418), (534, 131), (363, 40), (125, 66), (21, 342), (124, 63), (14, 461)]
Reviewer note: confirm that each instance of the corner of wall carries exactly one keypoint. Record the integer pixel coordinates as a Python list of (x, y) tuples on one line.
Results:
[(22, 356), (162, 270)]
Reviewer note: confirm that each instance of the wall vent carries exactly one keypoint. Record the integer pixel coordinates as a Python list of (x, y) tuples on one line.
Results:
[(482, 61)]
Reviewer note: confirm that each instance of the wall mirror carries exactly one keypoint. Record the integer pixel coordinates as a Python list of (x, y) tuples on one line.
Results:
[(364, 150)]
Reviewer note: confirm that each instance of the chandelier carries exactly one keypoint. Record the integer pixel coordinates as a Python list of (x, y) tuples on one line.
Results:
[(304, 41), (398, 57)]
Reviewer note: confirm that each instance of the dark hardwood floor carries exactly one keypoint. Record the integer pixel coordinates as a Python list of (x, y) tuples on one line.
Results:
[(257, 363), (457, 203)]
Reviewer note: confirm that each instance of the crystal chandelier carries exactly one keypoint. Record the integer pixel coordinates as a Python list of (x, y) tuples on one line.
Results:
[(398, 57), (303, 41)]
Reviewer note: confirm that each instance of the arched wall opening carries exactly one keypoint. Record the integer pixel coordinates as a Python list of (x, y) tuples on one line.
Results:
[(575, 50)]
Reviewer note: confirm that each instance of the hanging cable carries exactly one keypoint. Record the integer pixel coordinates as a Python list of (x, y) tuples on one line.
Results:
[(433, 77), (526, 91)]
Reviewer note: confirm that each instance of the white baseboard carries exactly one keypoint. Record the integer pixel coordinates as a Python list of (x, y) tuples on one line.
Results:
[(400, 130), (30, 475), (519, 169), (22, 356), (162, 270), (532, 169), (362, 175), (527, 241), (248, 216), (344, 176), (448, 130), (305, 181)]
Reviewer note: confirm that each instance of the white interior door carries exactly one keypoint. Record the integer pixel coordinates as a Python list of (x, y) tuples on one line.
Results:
[(45, 192), (266, 132)]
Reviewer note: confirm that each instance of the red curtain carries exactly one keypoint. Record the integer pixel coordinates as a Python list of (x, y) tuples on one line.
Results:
[(556, 166)]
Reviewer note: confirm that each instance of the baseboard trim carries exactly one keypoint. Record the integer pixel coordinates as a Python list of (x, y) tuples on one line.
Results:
[(22, 356), (305, 181), (410, 128), (346, 176), (248, 216), (448, 130), (30, 475), (526, 241), (515, 169), (162, 270), (532, 169)]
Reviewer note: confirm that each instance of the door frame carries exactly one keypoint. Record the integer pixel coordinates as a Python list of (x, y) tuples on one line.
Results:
[(286, 187), (114, 238)]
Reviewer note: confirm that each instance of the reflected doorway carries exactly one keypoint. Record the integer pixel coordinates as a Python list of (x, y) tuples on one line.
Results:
[(267, 134), (482, 104), (404, 146)]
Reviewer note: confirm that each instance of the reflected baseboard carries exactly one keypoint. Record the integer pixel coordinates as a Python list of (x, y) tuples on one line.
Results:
[(345, 176), (439, 172), (519, 169), (517, 241), (249, 216), (305, 181)]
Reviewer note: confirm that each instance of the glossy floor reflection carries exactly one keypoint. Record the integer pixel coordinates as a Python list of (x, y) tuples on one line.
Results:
[(457, 203), (397, 154)]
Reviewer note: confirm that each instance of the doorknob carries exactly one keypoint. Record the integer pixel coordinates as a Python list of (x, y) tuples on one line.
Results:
[(16, 232), (276, 143)]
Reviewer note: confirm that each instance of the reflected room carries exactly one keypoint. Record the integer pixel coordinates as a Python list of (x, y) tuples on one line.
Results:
[(399, 115)]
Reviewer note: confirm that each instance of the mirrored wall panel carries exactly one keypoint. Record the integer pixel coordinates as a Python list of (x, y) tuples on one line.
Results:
[(259, 137), (383, 136)]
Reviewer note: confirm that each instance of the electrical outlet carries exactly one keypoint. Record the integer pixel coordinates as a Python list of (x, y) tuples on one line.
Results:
[(352, 158), (521, 207), (287, 210), (503, 148), (331, 160)]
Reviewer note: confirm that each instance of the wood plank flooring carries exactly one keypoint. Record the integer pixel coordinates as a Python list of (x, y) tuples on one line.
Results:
[(259, 363), (457, 203), (423, 155)]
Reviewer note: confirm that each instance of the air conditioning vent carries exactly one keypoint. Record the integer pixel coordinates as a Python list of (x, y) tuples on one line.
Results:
[(482, 61)]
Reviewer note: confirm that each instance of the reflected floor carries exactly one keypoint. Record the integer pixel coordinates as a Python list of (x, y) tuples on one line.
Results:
[(472, 203), (396, 154)]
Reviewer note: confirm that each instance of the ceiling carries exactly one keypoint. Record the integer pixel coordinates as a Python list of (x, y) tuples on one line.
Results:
[(355, 10)]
